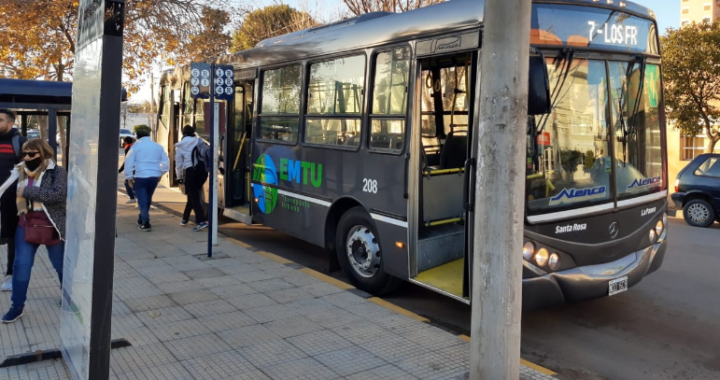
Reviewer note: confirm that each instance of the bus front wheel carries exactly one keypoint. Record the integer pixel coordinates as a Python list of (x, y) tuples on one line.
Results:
[(360, 252)]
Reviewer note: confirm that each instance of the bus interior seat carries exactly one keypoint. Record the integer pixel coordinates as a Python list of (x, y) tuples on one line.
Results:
[(454, 152)]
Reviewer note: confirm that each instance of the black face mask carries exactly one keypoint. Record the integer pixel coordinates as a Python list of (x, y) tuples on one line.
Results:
[(33, 164)]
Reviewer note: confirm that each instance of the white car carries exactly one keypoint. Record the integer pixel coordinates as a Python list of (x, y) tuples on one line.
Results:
[(126, 133)]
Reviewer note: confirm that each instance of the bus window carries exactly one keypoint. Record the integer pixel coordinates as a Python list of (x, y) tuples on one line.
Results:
[(188, 106), (387, 129), (335, 90), (280, 104)]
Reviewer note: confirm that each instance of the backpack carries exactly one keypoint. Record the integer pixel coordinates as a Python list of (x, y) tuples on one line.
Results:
[(202, 156), (17, 148)]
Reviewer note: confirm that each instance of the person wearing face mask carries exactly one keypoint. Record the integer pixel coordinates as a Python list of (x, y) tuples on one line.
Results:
[(41, 202), (11, 142)]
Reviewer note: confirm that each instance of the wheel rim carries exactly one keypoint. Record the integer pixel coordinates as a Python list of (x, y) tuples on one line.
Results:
[(698, 213), (363, 251)]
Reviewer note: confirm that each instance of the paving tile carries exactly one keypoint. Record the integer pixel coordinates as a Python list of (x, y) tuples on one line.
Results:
[(270, 285), (394, 349), (178, 330), (250, 301), (193, 296), (288, 295), (271, 313), (228, 321), (203, 273), (186, 263), (218, 282), (196, 346), (433, 338), (321, 289), (317, 343), (232, 290), (301, 369), (246, 336), (206, 309), (128, 359), (172, 371), (223, 365), (180, 286), (252, 277), (134, 288), (168, 314), (386, 372), (344, 299), (150, 303), (293, 326), (432, 365), (160, 274), (349, 360), (334, 317), (269, 353), (361, 332)]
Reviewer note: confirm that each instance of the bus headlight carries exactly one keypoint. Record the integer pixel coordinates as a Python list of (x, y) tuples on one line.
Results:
[(528, 251), (652, 235), (665, 216), (659, 227), (541, 257), (554, 261)]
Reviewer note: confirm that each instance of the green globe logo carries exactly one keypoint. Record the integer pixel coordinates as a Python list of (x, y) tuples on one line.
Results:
[(266, 173)]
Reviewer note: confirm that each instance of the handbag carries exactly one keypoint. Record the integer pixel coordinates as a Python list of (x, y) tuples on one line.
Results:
[(38, 230)]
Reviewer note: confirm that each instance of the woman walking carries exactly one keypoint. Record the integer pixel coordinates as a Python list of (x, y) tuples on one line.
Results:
[(127, 144), (191, 172), (41, 200)]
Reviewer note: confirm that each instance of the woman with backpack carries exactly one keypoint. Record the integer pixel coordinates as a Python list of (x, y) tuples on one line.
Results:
[(192, 173)]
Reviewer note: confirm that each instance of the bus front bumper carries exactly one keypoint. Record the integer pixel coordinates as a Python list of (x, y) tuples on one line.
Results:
[(592, 281)]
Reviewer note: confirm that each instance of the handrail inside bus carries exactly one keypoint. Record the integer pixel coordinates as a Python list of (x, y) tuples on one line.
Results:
[(242, 142), (443, 221), (432, 172)]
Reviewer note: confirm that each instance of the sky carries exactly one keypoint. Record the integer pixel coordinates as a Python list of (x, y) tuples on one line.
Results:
[(666, 11)]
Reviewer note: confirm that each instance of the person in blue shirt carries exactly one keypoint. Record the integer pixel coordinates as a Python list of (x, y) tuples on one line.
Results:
[(145, 164)]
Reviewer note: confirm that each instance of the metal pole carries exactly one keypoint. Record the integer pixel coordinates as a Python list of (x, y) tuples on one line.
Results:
[(498, 225), (216, 165), (211, 169)]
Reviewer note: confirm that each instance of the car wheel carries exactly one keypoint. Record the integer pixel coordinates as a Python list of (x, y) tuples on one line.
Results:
[(360, 253), (699, 213)]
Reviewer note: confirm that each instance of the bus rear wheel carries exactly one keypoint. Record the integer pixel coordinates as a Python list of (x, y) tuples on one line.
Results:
[(360, 252)]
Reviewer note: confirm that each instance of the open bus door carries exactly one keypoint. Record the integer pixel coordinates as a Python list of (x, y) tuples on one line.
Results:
[(444, 116), (237, 160)]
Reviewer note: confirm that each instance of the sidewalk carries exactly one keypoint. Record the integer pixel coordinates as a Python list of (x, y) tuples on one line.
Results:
[(241, 315)]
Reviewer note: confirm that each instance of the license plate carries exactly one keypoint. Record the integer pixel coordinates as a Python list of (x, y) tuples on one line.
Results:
[(618, 285)]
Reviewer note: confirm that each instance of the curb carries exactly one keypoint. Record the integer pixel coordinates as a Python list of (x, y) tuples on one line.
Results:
[(345, 286)]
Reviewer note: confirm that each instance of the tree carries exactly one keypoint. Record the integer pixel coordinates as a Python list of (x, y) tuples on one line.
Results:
[(212, 40), (271, 21), (360, 7), (691, 70), (37, 38)]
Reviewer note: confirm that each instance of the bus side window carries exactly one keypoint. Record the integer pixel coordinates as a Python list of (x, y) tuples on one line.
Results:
[(389, 103)]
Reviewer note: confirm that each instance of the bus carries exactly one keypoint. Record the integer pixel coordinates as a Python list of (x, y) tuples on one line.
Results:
[(360, 137)]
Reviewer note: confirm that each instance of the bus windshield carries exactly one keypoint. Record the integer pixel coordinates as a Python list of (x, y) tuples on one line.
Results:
[(605, 115)]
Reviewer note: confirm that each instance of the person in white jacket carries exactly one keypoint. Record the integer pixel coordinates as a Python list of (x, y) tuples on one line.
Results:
[(191, 172)]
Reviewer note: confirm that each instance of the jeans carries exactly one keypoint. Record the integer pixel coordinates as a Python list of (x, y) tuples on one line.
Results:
[(194, 182), (129, 190), (24, 260), (144, 190)]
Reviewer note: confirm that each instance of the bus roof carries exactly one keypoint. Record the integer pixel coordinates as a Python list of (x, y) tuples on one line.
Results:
[(374, 29)]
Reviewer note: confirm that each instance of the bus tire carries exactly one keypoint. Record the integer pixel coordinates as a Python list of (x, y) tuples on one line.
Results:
[(360, 254), (699, 213)]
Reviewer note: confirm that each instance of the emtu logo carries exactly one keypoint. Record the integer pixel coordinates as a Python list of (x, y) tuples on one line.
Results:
[(265, 172)]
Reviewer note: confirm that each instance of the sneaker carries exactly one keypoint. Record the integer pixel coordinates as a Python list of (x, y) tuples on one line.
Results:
[(145, 227), (7, 285), (130, 201), (183, 222), (201, 226), (12, 315), (139, 223)]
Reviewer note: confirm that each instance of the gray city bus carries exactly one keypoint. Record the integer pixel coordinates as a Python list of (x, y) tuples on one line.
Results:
[(360, 137)]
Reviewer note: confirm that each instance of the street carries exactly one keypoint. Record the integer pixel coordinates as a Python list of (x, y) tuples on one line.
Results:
[(664, 328)]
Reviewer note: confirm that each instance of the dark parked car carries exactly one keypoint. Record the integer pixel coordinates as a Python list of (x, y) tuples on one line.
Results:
[(698, 190)]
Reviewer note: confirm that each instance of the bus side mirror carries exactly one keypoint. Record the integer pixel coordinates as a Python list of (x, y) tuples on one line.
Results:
[(539, 89)]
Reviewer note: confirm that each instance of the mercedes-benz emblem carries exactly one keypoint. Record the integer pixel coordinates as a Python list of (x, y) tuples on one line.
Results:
[(614, 230)]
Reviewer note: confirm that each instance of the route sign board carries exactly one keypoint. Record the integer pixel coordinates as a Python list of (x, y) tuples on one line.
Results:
[(199, 80), (224, 80)]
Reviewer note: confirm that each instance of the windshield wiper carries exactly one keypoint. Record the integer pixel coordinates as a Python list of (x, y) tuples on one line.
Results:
[(630, 130), (564, 61)]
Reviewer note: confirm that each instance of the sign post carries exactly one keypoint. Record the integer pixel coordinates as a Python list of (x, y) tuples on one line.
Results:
[(91, 195), (212, 81)]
